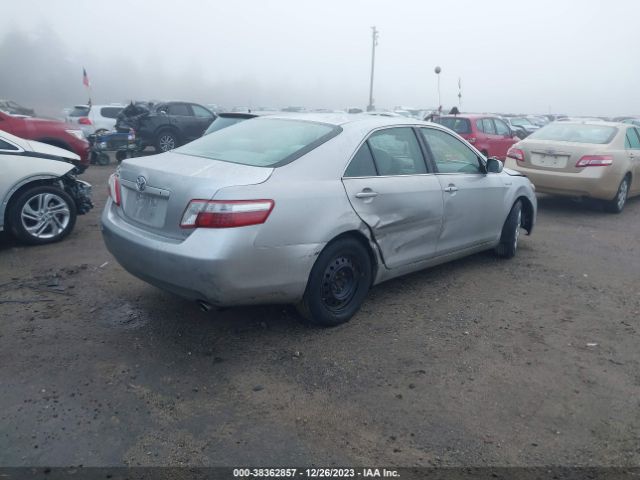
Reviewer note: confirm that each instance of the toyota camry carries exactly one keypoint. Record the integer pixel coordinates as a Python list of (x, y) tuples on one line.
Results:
[(310, 209)]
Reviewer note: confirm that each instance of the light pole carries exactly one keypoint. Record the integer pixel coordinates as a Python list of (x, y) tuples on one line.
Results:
[(438, 70), (374, 43)]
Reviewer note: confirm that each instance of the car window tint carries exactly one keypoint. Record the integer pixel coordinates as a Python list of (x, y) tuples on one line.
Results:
[(449, 153), (458, 125), (7, 146), (110, 112), (479, 125), (396, 152), (632, 139), (79, 111), (362, 164), (178, 109), (501, 127), (201, 112), (487, 126)]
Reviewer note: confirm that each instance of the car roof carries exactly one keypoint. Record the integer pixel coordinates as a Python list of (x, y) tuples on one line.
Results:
[(592, 122), (469, 115), (340, 119)]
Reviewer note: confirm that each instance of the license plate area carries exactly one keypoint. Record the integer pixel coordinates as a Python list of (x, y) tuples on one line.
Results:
[(549, 161), (146, 208)]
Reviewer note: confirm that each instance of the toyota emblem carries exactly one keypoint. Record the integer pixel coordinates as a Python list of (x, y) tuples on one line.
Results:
[(141, 183)]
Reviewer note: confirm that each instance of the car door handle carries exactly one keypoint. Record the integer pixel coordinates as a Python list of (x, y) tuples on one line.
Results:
[(366, 194), (451, 189)]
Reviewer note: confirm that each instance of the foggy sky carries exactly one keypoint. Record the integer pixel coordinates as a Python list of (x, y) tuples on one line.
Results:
[(563, 56)]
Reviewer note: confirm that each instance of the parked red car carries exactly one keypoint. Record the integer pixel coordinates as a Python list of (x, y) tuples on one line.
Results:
[(489, 134), (53, 132)]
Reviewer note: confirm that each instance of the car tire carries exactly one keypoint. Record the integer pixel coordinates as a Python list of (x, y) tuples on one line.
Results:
[(121, 155), (510, 232), (40, 215), (338, 284), (616, 205), (166, 140)]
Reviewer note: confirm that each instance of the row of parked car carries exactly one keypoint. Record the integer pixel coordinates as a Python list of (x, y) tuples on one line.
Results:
[(313, 209)]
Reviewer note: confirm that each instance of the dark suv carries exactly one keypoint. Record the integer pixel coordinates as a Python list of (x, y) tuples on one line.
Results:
[(165, 125)]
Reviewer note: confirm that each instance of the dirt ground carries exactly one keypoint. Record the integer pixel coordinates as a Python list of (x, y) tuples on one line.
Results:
[(531, 361)]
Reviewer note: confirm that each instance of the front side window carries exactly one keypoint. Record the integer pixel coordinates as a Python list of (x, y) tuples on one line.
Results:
[(201, 112), (178, 109), (361, 164), (449, 153), (487, 126), (262, 142), (501, 127), (632, 140), (396, 152)]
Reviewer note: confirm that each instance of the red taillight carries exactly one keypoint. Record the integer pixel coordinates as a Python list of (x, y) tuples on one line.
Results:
[(516, 154), (84, 121), (114, 188), (225, 213), (595, 161)]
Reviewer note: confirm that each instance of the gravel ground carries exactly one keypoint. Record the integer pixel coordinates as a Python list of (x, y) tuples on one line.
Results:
[(531, 361)]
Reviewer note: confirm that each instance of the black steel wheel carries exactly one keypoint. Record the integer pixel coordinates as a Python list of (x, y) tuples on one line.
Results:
[(338, 283)]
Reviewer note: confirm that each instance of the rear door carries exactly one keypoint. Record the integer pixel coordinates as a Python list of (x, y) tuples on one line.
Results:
[(492, 139), (473, 201), (632, 147), (395, 194)]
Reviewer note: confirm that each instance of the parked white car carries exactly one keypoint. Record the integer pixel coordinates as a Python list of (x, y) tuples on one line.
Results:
[(94, 118), (40, 195)]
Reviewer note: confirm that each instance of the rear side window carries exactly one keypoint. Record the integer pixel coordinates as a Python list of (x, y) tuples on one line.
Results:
[(362, 164), (262, 142), (458, 125), (79, 111), (396, 152), (576, 132), (110, 112), (632, 140), (201, 112), (7, 146)]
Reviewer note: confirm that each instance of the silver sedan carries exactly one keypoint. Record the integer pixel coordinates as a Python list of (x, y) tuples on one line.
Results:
[(310, 209)]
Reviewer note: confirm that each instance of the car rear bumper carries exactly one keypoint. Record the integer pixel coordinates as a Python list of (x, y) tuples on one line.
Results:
[(592, 182), (220, 266)]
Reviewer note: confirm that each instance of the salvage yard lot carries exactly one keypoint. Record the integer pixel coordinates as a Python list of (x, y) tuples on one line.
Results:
[(532, 361)]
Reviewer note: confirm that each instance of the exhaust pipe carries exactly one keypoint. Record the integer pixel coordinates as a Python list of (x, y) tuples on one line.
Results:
[(204, 306)]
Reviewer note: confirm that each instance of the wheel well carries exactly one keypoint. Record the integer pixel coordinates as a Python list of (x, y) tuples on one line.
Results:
[(26, 186), (362, 238), (167, 128), (527, 214)]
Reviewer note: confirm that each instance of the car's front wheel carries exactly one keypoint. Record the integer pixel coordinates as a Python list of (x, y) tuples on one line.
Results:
[(510, 232), (338, 284), (41, 215), (617, 204)]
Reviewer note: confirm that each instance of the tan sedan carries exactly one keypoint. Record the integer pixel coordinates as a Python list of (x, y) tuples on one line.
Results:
[(591, 159)]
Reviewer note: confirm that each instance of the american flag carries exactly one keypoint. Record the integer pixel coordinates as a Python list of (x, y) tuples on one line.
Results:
[(85, 78)]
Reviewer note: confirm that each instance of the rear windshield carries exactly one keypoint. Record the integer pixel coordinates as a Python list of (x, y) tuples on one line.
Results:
[(80, 111), (223, 122), (520, 121), (573, 132), (458, 125), (262, 142), (110, 112)]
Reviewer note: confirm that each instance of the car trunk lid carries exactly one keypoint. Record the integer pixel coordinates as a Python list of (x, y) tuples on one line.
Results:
[(157, 189), (557, 156)]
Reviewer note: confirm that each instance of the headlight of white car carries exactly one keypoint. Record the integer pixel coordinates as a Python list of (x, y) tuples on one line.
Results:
[(76, 133)]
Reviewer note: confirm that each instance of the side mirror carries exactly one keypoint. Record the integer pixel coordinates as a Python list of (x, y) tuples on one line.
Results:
[(494, 165)]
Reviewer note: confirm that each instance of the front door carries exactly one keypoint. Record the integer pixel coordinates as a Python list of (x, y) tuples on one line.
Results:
[(473, 200), (393, 192)]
